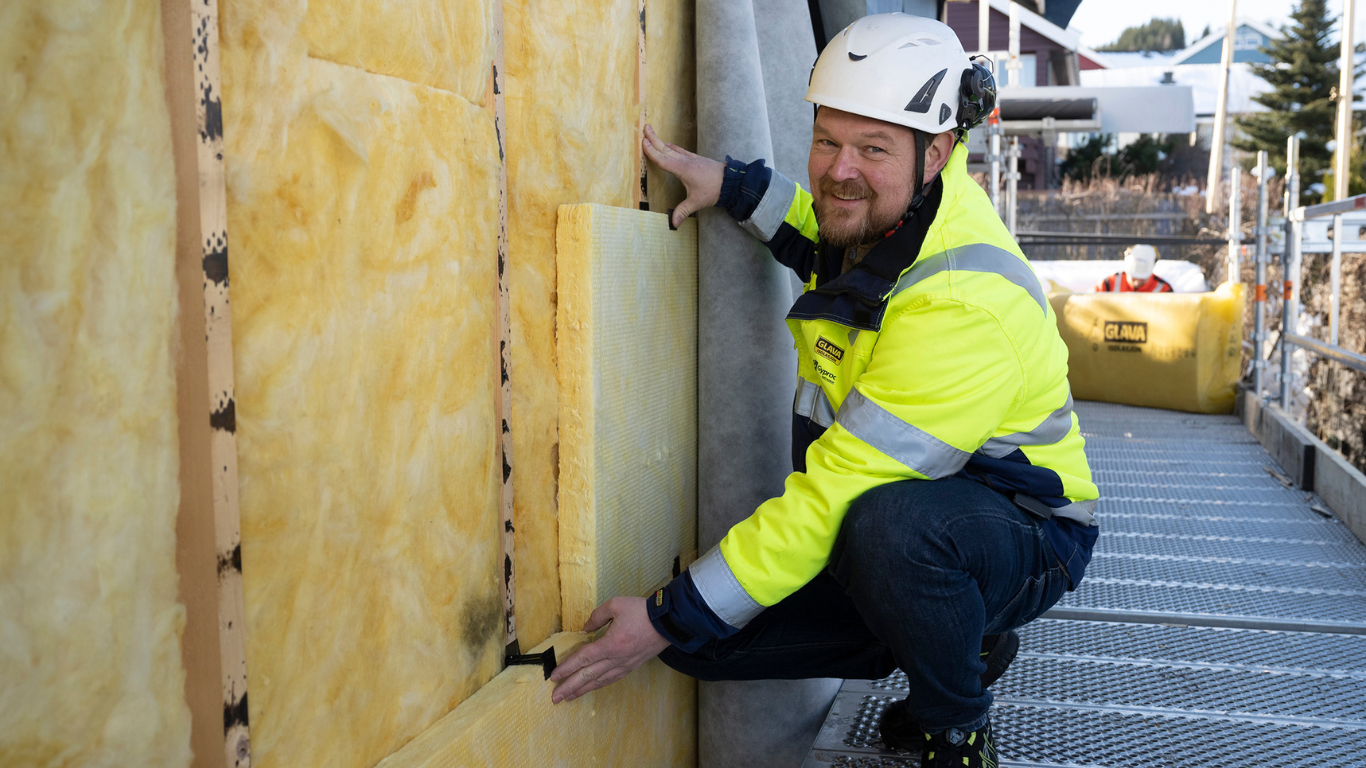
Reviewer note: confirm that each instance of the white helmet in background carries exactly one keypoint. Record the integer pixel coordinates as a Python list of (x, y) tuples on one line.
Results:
[(907, 70), (903, 69), (1139, 261)]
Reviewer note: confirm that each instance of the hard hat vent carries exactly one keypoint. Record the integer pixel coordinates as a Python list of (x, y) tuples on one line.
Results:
[(924, 98)]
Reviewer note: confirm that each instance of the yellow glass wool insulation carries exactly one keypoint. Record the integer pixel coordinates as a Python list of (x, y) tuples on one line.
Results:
[(446, 44), (90, 669), (571, 115), (670, 90), (649, 718), (627, 341), (1180, 351), (363, 217)]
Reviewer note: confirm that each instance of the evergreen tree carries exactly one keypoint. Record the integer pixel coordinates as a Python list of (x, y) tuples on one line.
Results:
[(1303, 75), (1089, 159), (1156, 35)]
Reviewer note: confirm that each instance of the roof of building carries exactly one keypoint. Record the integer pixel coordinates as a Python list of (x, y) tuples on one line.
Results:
[(1216, 38), (1202, 78), (1067, 38)]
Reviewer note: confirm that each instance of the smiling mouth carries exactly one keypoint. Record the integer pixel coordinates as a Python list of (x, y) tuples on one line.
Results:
[(848, 199)]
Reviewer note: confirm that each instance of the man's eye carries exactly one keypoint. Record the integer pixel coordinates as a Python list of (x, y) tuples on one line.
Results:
[(874, 150)]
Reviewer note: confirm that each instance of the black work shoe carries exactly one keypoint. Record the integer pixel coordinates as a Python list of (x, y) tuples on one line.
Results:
[(898, 730), (959, 749), (997, 653)]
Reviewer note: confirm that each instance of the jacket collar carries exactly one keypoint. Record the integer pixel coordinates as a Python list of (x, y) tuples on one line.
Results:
[(858, 297)]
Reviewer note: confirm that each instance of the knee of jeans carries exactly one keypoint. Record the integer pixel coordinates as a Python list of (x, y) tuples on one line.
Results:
[(887, 519)]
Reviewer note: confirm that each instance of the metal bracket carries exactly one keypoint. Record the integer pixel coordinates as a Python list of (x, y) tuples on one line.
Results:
[(545, 658)]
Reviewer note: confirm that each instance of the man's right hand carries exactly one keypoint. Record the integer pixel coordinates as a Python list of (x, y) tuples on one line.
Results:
[(701, 176)]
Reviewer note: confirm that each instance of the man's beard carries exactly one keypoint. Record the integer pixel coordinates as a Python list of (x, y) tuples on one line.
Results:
[(847, 229)]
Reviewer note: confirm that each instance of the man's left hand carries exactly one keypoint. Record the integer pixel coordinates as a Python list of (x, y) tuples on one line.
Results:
[(628, 643)]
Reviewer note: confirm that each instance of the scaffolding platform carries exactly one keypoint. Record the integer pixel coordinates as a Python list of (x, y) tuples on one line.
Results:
[(1222, 621)]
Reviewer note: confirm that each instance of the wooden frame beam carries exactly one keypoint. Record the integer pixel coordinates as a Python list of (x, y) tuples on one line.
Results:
[(208, 535), (494, 101)]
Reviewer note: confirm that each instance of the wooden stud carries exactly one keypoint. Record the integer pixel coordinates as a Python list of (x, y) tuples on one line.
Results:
[(209, 551), (643, 190), (504, 337)]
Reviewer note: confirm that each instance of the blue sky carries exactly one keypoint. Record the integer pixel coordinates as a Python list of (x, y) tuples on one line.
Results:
[(1101, 21)]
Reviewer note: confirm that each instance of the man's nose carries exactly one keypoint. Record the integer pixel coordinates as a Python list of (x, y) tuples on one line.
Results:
[(845, 166)]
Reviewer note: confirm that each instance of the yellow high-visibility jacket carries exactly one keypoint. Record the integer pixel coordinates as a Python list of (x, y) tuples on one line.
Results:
[(937, 355)]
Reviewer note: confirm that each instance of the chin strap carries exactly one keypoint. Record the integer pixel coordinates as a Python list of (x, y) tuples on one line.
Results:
[(919, 171)]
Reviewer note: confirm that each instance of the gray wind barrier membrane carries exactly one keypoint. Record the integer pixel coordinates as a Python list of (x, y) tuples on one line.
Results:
[(1222, 619), (753, 59)]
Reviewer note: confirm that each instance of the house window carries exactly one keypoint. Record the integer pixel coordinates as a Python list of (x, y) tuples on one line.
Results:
[(1028, 72), (1247, 40)]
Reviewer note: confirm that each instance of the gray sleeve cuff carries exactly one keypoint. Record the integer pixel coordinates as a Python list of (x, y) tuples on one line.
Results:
[(722, 591), (772, 209)]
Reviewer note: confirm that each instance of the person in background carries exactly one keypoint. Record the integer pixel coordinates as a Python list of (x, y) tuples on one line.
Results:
[(1137, 276)]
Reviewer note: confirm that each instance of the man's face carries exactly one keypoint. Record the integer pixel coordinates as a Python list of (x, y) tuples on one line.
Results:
[(861, 171)]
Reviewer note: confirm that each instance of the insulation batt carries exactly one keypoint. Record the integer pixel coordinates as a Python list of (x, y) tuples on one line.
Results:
[(649, 718), (627, 326), (363, 216), (90, 669), (571, 138), (571, 112)]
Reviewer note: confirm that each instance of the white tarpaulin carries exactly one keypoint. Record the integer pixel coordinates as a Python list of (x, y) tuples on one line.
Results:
[(1082, 276)]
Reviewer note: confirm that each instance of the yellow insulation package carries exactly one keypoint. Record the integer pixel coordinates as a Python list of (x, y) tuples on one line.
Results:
[(1181, 351)]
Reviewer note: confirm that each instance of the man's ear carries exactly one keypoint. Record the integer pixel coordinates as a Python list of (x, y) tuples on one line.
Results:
[(937, 153)]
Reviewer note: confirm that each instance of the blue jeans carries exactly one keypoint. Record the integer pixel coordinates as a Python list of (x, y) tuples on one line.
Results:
[(920, 572)]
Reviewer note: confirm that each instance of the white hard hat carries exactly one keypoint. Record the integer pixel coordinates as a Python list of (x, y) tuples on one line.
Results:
[(903, 69), (1139, 261)]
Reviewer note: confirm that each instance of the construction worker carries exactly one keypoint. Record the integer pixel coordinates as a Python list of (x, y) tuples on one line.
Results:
[(939, 497), (1139, 261)]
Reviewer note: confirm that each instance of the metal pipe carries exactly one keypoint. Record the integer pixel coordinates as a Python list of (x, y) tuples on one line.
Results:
[(1014, 65), (1335, 280), (1349, 359), (1259, 317), (1012, 184), (1216, 153), (1290, 266), (983, 26), (1235, 222), (1342, 154)]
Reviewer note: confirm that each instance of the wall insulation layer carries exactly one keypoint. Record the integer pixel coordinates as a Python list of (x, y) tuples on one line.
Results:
[(90, 669), (571, 115), (363, 216), (649, 718), (627, 340)]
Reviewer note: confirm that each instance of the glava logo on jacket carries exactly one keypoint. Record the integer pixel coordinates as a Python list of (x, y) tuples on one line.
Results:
[(827, 349)]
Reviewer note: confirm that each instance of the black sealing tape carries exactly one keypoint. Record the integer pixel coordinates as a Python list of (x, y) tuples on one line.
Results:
[(545, 658)]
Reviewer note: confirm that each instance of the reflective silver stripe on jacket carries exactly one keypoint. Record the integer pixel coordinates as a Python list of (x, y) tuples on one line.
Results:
[(904, 442), (1052, 430), (1083, 512), (978, 257), (772, 209), (722, 591), (812, 403)]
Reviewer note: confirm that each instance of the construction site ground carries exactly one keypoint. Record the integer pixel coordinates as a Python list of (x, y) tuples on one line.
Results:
[(1222, 621)]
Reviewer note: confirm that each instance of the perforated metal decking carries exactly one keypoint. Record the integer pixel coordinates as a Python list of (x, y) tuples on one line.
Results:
[(1222, 621)]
